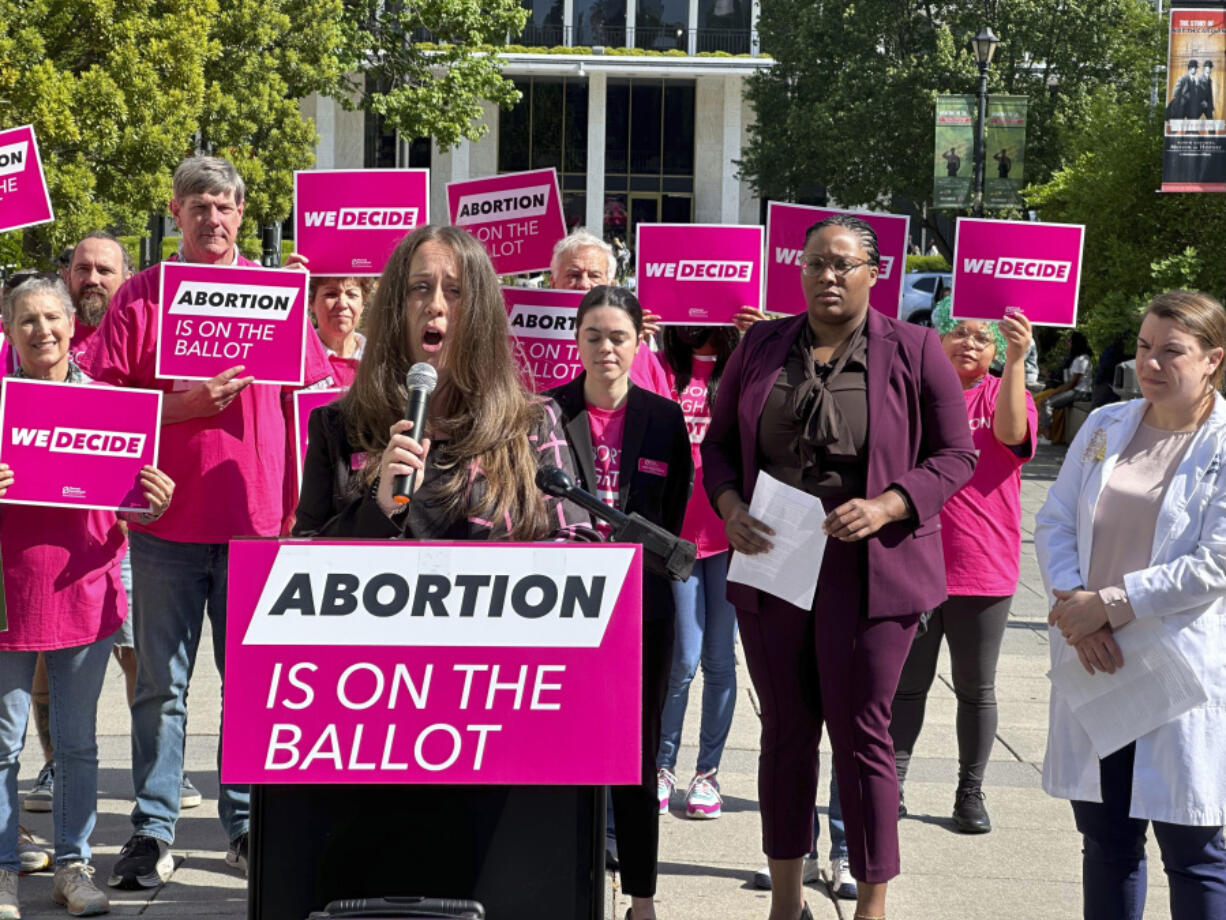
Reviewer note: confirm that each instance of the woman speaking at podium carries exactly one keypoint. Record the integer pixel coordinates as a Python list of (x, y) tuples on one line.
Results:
[(632, 450), (439, 303)]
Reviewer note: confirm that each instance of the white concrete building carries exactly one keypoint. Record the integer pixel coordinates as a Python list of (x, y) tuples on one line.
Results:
[(634, 137)]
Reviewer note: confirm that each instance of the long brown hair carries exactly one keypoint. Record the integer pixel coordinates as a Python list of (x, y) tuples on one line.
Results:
[(480, 402)]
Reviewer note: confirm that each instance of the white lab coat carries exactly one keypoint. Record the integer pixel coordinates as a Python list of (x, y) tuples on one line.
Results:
[(1179, 776)]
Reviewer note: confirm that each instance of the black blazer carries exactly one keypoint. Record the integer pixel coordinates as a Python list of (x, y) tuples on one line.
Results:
[(655, 432)]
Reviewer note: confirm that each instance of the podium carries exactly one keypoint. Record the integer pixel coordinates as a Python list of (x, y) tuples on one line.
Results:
[(458, 748)]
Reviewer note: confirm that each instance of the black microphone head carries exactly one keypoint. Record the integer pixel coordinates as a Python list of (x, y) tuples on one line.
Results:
[(554, 481), (421, 376)]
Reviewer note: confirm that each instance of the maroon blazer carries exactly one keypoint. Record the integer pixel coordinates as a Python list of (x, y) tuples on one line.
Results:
[(918, 440)]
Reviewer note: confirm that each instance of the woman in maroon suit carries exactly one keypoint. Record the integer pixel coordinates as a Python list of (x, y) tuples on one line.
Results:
[(866, 413)]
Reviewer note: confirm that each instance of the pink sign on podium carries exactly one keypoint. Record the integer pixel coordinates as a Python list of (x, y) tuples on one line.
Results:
[(442, 663)]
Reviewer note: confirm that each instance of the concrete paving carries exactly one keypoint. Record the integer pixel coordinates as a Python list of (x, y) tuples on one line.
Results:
[(1028, 867)]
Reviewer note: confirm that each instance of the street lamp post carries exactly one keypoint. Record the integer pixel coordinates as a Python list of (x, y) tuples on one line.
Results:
[(984, 45)]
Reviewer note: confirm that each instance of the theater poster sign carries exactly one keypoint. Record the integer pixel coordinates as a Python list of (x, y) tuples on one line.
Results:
[(214, 318), (1003, 265), (24, 200), (348, 221), (516, 216), (785, 244), (1194, 123), (73, 446), (395, 662)]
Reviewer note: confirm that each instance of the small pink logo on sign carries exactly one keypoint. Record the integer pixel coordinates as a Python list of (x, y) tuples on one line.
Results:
[(306, 402), (517, 216), (699, 274), (1002, 264), (78, 446), (24, 199), (785, 241), (214, 318), (378, 662), (654, 467), (542, 324), (348, 221)]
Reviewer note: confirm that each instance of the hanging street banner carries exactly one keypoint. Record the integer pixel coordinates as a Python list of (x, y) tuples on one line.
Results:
[(1194, 133), (348, 221), (440, 663), (214, 317), (24, 199), (73, 446), (1006, 265), (699, 274), (785, 239), (542, 323), (1005, 160), (516, 216), (953, 166)]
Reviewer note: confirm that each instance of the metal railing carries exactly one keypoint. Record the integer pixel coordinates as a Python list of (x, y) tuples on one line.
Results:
[(649, 38)]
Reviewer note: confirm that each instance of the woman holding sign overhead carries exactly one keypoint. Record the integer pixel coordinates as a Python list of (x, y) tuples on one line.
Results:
[(632, 449), (64, 599), (865, 413), (1132, 546)]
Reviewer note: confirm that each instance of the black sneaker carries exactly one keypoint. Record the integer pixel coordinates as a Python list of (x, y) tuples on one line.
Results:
[(970, 815), (144, 862), (236, 854)]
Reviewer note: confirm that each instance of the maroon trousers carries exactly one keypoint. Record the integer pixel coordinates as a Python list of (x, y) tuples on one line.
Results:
[(830, 664)]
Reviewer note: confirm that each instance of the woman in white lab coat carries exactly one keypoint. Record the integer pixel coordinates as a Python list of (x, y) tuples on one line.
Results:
[(1135, 529)]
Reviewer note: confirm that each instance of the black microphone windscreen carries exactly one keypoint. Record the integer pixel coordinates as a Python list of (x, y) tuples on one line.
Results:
[(554, 481)]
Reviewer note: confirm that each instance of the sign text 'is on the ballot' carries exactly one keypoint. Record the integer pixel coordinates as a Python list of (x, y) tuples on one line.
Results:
[(24, 198), (516, 216), (543, 333)]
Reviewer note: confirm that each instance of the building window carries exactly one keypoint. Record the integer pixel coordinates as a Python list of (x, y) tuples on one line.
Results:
[(546, 128), (544, 25), (600, 22), (724, 25), (661, 24)]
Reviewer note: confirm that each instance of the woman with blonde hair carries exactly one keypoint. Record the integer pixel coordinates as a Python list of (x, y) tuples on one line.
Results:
[(1134, 529)]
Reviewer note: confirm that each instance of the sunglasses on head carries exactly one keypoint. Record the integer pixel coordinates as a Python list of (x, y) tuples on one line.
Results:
[(17, 279)]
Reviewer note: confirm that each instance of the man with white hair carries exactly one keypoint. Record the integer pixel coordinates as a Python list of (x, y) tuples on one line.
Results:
[(223, 441)]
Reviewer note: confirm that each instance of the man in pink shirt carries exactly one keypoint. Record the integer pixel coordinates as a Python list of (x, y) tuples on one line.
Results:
[(224, 440)]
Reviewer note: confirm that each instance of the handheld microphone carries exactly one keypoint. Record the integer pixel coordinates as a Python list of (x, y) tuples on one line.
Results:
[(420, 383), (663, 553)]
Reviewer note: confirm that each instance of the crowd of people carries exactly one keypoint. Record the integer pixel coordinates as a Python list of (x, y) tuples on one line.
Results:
[(911, 443)]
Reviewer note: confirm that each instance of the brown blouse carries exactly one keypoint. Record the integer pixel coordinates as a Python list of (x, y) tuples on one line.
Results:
[(814, 427)]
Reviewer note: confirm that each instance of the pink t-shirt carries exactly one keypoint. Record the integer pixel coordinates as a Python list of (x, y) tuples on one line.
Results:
[(702, 526), (229, 468), (61, 576), (981, 525), (646, 372), (607, 427)]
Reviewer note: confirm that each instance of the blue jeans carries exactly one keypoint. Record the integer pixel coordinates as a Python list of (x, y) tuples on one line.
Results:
[(834, 814), (75, 678), (706, 633), (1113, 855), (174, 584)]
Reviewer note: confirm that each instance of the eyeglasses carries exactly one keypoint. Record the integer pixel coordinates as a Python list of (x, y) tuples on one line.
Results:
[(978, 339), (17, 279), (841, 267)]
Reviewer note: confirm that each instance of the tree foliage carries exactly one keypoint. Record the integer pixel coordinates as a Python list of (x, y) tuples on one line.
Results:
[(849, 104)]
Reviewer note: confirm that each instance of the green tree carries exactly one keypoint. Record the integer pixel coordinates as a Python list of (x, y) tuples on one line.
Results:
[(849, 103), (437, 92)]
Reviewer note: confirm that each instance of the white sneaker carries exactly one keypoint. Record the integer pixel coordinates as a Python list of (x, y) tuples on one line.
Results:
[(842, 885), (665, 784), (74, 888), (811, 873), (8, 896)]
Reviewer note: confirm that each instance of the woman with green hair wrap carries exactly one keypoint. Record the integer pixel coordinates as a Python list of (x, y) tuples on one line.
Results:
[(981, 538)]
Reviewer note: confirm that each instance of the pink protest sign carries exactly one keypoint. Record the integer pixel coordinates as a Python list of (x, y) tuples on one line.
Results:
[(24, 199), (74, 446), (699, 274), (441, 663), (543, 329), (348, 221), (306, 402), (1034, 267), (517, 216), (785, 241), (217, 317)]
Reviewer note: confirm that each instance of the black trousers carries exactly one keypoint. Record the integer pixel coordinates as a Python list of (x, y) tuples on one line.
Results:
[(636, 811)]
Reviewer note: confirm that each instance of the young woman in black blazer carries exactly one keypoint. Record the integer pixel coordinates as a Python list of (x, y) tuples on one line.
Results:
[(632, 449)]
